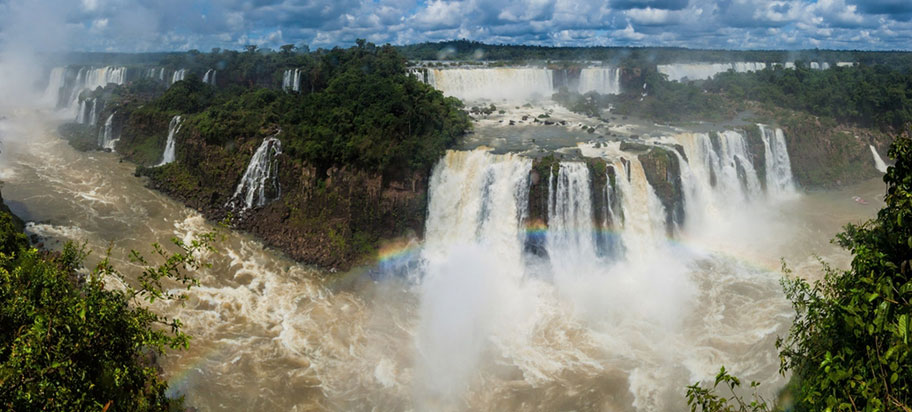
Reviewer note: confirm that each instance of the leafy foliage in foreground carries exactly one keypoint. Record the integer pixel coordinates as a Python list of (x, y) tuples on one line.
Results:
[(703, 399), (850, 343), (849, 346), (72, 343)]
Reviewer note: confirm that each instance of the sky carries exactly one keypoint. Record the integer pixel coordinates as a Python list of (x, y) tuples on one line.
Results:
[(165, 25)]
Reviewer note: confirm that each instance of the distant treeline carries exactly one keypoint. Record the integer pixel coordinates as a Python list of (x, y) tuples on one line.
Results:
[(473, 51), (465, 50), (356, 107), (877, 97)]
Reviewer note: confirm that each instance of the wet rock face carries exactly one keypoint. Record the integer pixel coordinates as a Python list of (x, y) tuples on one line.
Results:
[(333, 218), (664, 175), (757, 151), (601, 177)]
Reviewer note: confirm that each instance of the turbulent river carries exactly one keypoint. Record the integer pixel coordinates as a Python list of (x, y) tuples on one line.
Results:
[(473, 321)]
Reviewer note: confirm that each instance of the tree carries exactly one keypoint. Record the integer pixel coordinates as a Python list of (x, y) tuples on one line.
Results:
[(849, 345), (850, 341), (69, 342)]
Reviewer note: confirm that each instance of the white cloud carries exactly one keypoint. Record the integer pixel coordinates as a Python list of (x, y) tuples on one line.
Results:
[(136, 25), (628, 33)]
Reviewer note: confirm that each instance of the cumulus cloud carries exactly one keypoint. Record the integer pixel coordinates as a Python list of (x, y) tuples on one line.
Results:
[(148, 25)]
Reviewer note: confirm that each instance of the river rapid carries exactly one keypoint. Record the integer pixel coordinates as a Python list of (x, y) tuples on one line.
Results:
[(455, 334)]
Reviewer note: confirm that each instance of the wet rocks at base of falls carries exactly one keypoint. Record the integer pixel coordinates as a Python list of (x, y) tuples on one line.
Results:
[(664, 175)]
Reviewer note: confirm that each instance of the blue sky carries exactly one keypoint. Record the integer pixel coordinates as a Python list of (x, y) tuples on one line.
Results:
[(151, 25)]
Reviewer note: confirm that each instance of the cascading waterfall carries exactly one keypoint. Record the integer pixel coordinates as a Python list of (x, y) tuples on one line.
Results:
[(178, 75), (66, 84), (106, 137), (571, 234), (704, 71), (55, 87), (92, 114), (779, 181), (493, 83), (879, 163), (291, 80), (643, 231), (209, 77), (173, 128), (81, 112), (602, 80), (260, 183), (473, 254), (87, 111), (722, 164), (491, 198)]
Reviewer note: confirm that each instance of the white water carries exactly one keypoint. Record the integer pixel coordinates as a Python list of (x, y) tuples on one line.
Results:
[(81, 112), (879, 163), (173, 128), (602, 80), (779, 182), (55, 86), (473, 254), (66, 84), (643, 230), (260, 181), (704, 71), (209, 77), (178, 75), (487, 326), (92, 115), (106, 138), (493, 83), (291, 80), (571, 233)]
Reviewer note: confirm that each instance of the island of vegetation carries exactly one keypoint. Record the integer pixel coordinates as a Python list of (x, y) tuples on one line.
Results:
[(357, 143)]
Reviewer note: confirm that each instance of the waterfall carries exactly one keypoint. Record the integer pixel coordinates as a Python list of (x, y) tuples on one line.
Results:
[(291, 80), (643, 230), (493, 83), (602, 80), (478, 198), (173, 129), (92, 115), (610, 219), (704, 71), (178, 75), (260, 182), (571, 233), (722, 165), (81, 112), (105, 137), (778, 165), (209, 77), (87, 111), (66, 84), (56, 84), (879, 164)]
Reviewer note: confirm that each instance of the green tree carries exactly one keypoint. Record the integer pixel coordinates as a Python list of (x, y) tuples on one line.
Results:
[(72, 342), (849, 346), (850, 341)]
